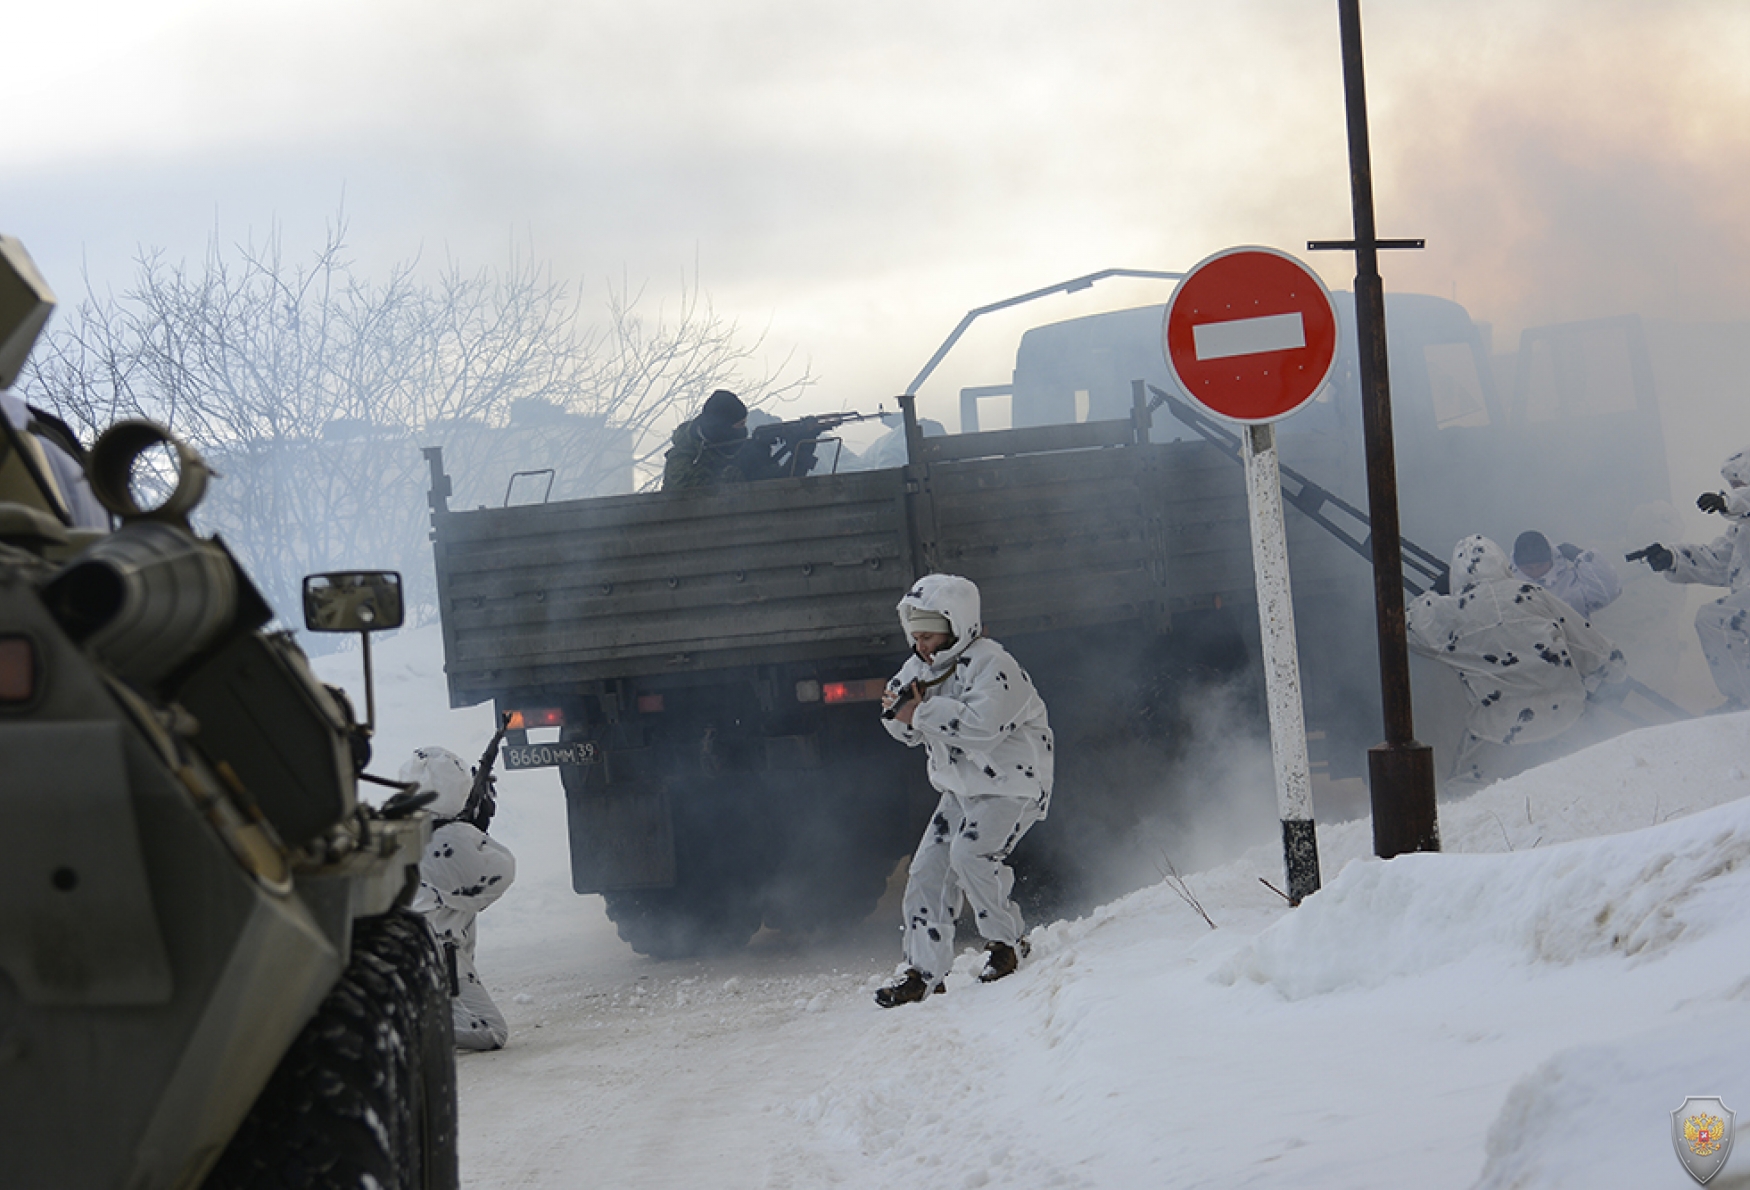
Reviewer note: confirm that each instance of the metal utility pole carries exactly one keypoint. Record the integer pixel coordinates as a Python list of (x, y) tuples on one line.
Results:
[(1401, 770)]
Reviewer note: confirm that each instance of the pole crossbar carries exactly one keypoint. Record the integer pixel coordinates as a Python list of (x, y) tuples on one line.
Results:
[(1349, 245)]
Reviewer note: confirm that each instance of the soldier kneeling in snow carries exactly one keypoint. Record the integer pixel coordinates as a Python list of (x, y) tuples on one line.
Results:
[(1527, 660), (983, 727), (463, 871)]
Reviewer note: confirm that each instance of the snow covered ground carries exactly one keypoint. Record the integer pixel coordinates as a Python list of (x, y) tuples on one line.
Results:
[(1525, 1009)]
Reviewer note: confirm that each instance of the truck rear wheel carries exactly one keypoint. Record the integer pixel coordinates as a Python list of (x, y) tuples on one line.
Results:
[(367, 1093), (721, 846), (836, 862), (678, 923)]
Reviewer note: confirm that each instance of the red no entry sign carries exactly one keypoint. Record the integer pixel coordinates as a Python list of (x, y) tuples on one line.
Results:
[(1251, 334)]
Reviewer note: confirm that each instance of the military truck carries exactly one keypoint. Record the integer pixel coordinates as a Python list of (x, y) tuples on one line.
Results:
[(208, 973), (702, 668)]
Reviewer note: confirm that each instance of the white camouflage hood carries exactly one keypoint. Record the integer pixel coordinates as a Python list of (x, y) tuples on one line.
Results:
[(442, 771), (950, 596), (1476, 559), (1736, 470)]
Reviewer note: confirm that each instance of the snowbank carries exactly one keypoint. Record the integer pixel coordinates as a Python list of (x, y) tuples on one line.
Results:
[(1632, 894)]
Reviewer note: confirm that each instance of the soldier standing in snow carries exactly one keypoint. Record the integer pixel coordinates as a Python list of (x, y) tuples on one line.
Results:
[(983, 728), (1527, 660), (1579, 578), (464, 870), (1724, 625)]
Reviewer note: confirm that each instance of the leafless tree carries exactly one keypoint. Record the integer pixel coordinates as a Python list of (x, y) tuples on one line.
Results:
[(310, 389)]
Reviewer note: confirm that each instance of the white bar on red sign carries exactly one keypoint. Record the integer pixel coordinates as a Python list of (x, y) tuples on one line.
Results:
[(1248, 336)]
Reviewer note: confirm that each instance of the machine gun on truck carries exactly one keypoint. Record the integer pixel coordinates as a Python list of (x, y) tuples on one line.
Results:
[(791, 444), (211, 976), (708, 665)]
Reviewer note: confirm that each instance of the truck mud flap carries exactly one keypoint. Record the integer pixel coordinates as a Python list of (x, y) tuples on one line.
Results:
[(622, 837)]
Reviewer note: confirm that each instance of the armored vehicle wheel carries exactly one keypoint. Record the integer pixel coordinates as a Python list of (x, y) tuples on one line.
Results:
[(366, 1096)]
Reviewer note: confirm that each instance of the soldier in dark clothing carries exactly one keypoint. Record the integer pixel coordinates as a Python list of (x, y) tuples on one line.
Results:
[(706, 449), (715, 447)]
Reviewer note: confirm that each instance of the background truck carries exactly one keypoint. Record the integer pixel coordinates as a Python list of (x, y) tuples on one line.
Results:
[(208, 976), (705, 665)]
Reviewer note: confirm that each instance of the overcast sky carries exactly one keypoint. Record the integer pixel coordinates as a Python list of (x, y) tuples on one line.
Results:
[(855, 177)]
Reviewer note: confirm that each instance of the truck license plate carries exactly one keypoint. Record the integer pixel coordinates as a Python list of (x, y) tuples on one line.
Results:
[(542, 756)]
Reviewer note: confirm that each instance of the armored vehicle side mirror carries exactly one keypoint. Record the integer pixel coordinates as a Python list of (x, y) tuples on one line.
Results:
[(361, 601)]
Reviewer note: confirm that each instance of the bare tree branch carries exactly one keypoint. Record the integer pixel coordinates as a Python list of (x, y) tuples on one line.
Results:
[(310, 389)]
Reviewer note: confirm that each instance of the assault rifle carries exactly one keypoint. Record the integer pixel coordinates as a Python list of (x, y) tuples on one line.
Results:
[(787, 447), (804, 428), (482, 801)]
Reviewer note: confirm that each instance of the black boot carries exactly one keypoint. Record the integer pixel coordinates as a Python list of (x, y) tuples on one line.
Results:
[(908, 988), (1000, 959)]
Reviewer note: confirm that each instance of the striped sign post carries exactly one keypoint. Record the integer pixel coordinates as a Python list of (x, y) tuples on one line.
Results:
[(1251, 336)]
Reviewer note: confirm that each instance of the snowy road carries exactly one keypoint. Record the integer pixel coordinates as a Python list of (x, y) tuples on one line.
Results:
[(624, 1071)]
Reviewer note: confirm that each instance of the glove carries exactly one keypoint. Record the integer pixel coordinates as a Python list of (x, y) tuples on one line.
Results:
[(1443, 582), (1711, 502), (1568, 550)]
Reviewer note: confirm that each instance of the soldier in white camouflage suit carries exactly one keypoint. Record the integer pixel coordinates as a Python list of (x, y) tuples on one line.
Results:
[(1723, 625), (1527, 660), (971, 707), (464, 870), (1580, 578)]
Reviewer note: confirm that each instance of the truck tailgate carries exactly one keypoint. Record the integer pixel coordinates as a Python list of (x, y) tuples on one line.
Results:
[(781, 570)]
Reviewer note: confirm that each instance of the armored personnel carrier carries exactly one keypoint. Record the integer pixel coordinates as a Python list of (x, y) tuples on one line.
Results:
[(208, 975)]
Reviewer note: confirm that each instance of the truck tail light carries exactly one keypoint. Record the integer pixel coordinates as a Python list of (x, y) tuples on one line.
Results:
[(866, 690), (650, 704), (18, 670), (545, 717)]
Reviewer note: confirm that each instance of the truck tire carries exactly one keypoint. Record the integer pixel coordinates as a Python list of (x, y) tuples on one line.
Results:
[(834, 868), (842, 828), (722, 847), (366, 1095), (681, 922)]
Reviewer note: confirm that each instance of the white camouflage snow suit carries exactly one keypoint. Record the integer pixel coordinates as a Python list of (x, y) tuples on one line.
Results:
[(989, 750), (463, 871), (1527, 660), (1724, 625), (1588, 583)]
